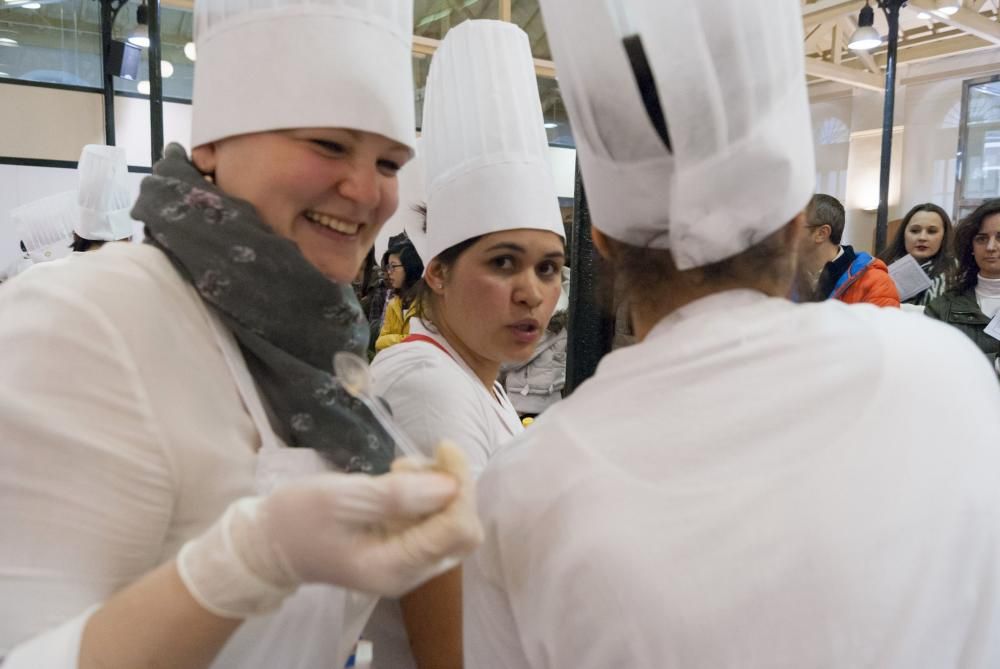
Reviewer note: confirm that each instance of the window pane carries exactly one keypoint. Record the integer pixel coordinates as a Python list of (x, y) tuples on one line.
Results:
[(433, 18), (527, 14), (981, 162), (554, 112), (175, 32), (421, 65), (54, 43)]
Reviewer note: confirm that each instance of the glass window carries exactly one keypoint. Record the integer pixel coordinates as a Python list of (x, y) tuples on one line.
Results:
[(51, 42), (433, 18), (528, 15), (421, 65), (177, 69), (554, 112), (979, 144)]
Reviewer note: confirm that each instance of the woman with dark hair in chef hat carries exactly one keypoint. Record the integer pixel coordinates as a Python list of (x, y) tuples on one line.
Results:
[(754, 483), (168, 411)]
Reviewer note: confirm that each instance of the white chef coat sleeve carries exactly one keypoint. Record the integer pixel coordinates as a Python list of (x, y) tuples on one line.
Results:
[(85, 483), (431, 400), (58, 648), (491, 639)]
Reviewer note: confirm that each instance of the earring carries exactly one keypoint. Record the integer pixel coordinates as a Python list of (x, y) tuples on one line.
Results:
[(210, 177)]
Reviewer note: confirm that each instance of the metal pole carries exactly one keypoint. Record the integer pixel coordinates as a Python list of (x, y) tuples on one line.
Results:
[(891, 9), (107, 20), (155, 84), (591, 316)]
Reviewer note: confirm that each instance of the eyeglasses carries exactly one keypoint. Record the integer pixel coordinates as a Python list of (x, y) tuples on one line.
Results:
[(392, 267), (982, 239)]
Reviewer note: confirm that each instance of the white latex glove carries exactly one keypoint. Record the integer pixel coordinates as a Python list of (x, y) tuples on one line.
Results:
[(384, 535)]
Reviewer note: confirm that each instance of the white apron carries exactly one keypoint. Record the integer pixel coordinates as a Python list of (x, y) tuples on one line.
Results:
[(319, 625)]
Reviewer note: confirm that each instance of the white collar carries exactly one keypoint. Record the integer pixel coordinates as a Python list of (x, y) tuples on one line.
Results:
[(726, 300), (989, 288)]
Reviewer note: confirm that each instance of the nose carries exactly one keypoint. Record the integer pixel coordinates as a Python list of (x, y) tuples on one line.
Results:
[(528, 291), (993, 243), (363, 186)]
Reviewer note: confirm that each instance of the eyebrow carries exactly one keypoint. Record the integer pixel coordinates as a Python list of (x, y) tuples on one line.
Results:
[(517, 248)]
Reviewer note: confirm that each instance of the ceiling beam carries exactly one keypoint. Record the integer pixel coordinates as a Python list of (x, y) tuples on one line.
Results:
[(844, 75), (829, 10), (965, 20)]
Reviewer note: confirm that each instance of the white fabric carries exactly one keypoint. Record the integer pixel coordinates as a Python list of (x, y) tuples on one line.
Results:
[(125, 436), (434, 396), (412, 194), (756, 485), (103, 194), (730, 81), (46, 226), (487, 165), (988, 295), (303, 64)]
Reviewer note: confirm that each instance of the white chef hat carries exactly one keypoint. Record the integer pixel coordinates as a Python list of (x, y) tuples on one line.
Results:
[(103, 194), (282, 64), (484, 142), (412, 194), (46, 226), (727, 78)]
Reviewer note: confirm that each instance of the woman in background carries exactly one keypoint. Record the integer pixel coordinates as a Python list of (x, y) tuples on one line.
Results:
[(925, 234), (975, 298), (403, 269)]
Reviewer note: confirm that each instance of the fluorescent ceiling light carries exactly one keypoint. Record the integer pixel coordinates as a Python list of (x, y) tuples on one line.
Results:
[(4, 74), (31, 5), (7, 41), (551, 125)]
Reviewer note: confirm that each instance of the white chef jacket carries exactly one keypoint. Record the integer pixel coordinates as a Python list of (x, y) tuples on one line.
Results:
[(129, 424), (434, 395), (757, 485)]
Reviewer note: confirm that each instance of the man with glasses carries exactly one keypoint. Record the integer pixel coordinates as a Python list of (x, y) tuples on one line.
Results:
[(838, 271)]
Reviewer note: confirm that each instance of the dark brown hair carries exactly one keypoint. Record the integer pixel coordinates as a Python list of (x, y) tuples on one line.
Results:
[(942, 262), (968, 271), (643, 272), (423, 296), (81, 244)]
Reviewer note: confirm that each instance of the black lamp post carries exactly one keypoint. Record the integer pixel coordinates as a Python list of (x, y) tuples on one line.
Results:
[(149, 15), (891, 9)]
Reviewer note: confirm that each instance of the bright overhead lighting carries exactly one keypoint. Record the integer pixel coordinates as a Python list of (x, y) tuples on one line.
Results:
[(551, 125), (865, 37), (923, 16), (4, 74), (143, 87), (166, 69), (948, 7), (189, 51), (7, 41), (140, 36), (31, 5)]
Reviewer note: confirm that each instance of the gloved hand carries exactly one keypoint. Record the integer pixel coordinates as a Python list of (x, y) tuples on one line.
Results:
[(384, 535)]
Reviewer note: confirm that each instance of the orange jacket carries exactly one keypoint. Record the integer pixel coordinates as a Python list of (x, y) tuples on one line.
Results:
[(869, 282)]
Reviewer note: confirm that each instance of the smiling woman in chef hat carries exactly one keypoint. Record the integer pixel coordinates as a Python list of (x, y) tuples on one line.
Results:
[(174, 412), (492, 243), (695, 503)]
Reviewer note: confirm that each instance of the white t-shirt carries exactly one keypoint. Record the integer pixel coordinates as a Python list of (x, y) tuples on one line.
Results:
[(756, 485), (434, 395), (125, 435)]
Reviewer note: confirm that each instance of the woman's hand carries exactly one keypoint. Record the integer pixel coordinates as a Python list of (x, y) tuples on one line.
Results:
[(384, 535)]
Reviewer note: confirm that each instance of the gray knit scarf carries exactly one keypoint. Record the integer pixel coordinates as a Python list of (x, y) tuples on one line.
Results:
[(288, 318)]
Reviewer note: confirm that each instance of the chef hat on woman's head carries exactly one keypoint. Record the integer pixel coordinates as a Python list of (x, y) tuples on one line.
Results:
[(282, 64), (412, 196), (691, 118), (103, 194), (46, 226), (484, 143)]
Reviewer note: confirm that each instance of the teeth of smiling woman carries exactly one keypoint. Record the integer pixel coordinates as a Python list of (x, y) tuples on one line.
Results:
[(332, 223)]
